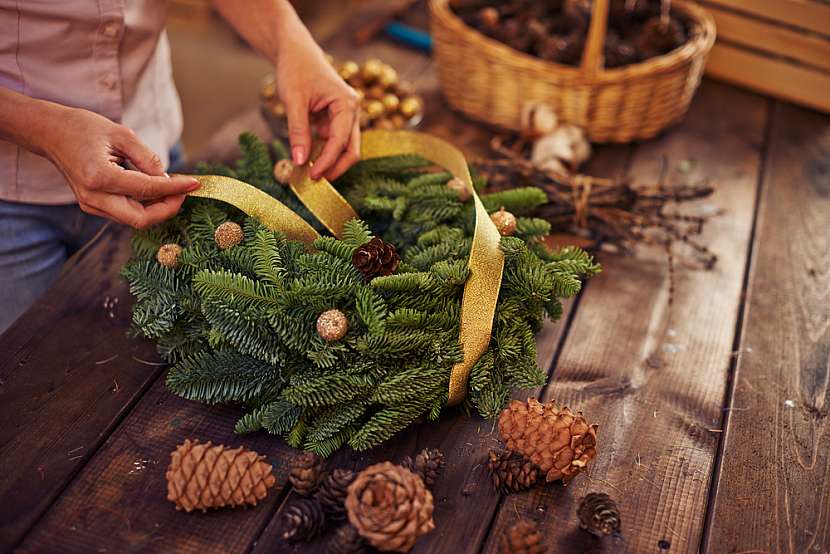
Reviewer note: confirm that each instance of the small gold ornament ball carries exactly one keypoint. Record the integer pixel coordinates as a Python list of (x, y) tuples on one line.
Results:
[(228, 235), (398, 121), (372, 70), (505, 222), (388, 76), (376, 92), (168, 255), (348, 70), (390, 102), (374, 109), (385, 124), (283, 170), (458, 186), (332, 325), (410, 106)]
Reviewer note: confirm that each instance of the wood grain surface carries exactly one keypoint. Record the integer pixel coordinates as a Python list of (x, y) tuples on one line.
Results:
[(773, 490)]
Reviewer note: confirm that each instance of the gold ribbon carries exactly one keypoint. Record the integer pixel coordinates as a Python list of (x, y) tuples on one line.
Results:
[(486, 262)]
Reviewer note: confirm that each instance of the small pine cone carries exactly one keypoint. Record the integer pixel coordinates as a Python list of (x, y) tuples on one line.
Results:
[(390, 507), (658, 37), (598, 514), (376, 258), (332, 325), (202, 476), (510, 472), (283, 170), (523, 537), (505, 222), (560, 442), (428, 465), (306, 472), (347, 540), (302, 520), (332, 493), (228, 235), (168, 255)]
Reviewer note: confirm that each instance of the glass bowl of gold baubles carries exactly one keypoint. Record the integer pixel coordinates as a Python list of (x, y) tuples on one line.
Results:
[(386, 102)]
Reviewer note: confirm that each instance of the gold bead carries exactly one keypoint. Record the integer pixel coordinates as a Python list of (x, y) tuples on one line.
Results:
[(410, 106), (278, 109), (332, 325), (385, 124), (504, 221), (228, 235), (388, 76), (374, 109), (376, 92), (168, 255), (348, 70), (398, 120), (372, 69), (283, 170), (458, 186), (390, 102)]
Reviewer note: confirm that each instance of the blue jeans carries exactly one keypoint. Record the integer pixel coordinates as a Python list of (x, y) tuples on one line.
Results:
[(35, 241)]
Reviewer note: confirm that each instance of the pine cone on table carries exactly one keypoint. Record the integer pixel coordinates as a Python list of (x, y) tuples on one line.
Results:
[(306, 472), (302, 520), (428, 465), (598, 514), (347, 541), (202, 476), (523, 537), (332, 493), (560, 442), (510, 472), (390, 507), (376, 258)]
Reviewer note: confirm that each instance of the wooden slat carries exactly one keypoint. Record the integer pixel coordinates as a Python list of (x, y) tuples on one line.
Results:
[(68, 373), (782, 79), (773, 490), (806, 14), (651, 375), (778, 40)]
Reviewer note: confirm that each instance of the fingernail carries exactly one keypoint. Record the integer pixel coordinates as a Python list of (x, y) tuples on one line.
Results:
[(298, 155), (166, 174), (194, 185)]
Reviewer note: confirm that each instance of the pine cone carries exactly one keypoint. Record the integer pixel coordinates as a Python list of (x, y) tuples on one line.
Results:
[(658, 37), (332, 493), (168, 255), (510, 472), (523, 537), (302, 520), (598, 514), (202, 476), (228, 235), (428, 465), (306, 473), (559, 442), (347, 541), (390, 507), (376, 258)]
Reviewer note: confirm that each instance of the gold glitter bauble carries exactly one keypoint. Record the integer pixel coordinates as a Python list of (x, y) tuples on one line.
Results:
[(458, 186), (228, 235), (385, 124), (374, 109), (375, 92), (348, 70), (410, 106), (398, 120), (405, 88), (269, 89), (283, 170), (278, 109), (505, 222), (332, 325), (388, 76), (168, 255), (372, 70), (390, 102)]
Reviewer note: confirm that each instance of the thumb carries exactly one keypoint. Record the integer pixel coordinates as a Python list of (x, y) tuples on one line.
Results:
[(299, 130), (144, 159)]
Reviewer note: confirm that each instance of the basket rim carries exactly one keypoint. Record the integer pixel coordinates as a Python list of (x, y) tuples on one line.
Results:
[(701, 42)]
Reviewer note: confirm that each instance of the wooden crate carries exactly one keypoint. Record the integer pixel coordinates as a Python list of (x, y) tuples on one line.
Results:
[(776, 47)]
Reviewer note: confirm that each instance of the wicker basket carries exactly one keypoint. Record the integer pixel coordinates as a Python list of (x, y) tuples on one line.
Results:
[(491, 82)]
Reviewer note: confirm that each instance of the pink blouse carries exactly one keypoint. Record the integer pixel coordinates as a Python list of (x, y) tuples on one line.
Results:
[(108, 56)]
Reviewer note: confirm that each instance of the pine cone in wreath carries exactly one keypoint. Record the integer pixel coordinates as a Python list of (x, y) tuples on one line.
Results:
[(523, 537), (428, 465), (347, 541), (306, 472), (560, 442), (390, 507), (598, 514), (202, 476), (302, 520), (376, 258), (332, 493), (510, 472)]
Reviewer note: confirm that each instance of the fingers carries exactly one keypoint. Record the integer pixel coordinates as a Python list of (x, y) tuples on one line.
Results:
[(341, 126), (349, 157), (131, 212), (131, 147), (299, 129), (137, 185)]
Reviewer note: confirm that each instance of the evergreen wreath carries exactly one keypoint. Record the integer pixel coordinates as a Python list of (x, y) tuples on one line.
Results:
[(238, 325)]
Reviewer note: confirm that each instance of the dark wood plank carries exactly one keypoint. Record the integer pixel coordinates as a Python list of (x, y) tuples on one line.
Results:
[(654, 378), (68, 373), (773, 490)]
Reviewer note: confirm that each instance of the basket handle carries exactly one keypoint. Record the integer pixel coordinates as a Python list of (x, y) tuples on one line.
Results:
[(593, 58)]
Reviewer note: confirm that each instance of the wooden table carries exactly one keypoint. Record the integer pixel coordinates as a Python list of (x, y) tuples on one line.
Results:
[(713, 412)]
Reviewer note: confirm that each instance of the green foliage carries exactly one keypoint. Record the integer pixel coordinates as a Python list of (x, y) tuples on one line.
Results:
[(239, 325)]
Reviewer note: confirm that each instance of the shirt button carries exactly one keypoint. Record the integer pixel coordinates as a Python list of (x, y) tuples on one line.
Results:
[(111, 30)]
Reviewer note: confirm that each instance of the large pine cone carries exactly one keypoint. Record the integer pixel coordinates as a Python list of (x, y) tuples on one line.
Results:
[(390, 507), (307, 470), (560, 442), (598, 514), (332, 493), (428, 465), (347, 541), (202, 476), (375, 258), (523, 537), (510, 472), (302, 520)]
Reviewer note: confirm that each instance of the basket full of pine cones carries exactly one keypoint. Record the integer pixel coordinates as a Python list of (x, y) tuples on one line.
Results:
[(623, 70)]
